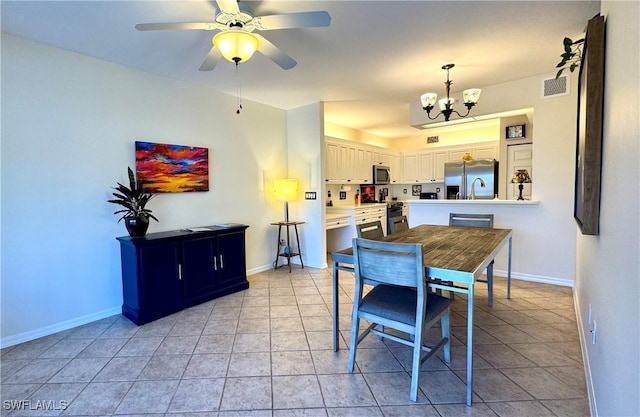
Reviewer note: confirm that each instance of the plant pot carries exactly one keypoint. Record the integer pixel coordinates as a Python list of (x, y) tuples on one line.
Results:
[(135, 226)]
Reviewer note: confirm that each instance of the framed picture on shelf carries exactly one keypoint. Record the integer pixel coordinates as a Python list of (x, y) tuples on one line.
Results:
[(516, 131)]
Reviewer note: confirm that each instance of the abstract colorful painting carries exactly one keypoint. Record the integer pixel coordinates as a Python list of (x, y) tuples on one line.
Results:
[(164, 168)]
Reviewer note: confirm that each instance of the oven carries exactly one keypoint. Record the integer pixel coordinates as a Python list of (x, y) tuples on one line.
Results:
[(394, 209)]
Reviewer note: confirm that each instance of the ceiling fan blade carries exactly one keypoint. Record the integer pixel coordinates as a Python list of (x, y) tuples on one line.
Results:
[(292, 20), (270, 50), (211, 60), (181, 26), (228, 6)]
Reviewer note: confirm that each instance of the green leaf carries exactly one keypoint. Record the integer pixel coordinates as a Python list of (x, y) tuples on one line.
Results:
[(132, 179), (573, 67), (559, 73)]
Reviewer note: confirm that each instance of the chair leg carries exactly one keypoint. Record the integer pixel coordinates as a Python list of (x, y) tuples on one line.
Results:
[(415, 366), (490, 283), (355, 325), (445, 324)]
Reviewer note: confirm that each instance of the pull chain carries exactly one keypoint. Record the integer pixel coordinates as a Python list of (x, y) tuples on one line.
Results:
[(238, 91)]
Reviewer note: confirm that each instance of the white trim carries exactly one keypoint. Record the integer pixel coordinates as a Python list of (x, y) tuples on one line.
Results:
[(591, 394), (58, 327), (535, 278)]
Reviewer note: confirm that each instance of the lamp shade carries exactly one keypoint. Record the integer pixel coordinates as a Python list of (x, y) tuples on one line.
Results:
[(428, 99), (236, 45), (286, 189), (442, 103), (471, 95)]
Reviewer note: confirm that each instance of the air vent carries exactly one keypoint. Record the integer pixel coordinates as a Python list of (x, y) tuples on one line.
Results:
[(552, 87), (433, 139)]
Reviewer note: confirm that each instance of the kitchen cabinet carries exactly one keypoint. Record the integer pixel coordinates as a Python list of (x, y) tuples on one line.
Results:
[(351, 163), (162, 273), (424, 167), (341, 222)]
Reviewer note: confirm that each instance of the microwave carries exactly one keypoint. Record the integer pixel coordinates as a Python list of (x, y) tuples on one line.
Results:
[(381, 175)]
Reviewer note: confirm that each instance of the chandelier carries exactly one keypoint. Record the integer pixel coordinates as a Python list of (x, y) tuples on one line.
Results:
[(428, 100)]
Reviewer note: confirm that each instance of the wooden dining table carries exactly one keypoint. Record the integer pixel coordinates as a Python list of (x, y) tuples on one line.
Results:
[(455, 255)]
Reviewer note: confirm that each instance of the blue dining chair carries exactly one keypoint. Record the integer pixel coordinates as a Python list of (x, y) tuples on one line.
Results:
[(371, 230), (478, 220), (397, 224), (400, 301)]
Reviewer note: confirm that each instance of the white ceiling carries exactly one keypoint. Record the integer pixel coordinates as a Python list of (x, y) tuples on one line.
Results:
[(374, 58)]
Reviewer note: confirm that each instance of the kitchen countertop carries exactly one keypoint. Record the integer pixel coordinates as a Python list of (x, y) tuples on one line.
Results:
[(514, 203), (353, 206)]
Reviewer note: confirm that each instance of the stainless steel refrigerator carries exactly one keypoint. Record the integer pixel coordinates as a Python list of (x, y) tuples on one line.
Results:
[(460, 177)]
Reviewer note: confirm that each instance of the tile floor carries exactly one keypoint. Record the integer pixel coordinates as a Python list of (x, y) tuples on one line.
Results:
[(267, 351)]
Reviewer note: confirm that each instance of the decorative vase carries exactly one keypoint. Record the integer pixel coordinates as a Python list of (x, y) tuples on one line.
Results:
[(135, 226), (520, 187)]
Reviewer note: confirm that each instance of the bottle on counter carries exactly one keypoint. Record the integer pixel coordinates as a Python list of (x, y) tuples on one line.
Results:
[(357, 199)]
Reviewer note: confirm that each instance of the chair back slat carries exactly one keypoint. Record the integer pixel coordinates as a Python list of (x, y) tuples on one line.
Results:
[(471, 220), (388, 263), (371, 230)]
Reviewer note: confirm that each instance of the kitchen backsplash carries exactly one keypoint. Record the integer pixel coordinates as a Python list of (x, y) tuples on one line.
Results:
[(344, 195)]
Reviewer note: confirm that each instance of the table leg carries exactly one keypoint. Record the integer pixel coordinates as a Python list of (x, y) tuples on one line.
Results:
[(336, 323), (509, 272), (289, 246), (275, 263), (470, 344), (295, 227)]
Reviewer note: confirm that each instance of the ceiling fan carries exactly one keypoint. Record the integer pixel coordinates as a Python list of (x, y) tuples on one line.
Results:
[(236, 40)]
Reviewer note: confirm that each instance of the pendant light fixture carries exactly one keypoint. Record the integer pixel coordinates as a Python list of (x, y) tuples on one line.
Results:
[(428, 100)]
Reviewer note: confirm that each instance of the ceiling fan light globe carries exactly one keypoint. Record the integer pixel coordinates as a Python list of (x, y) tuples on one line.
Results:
[(236, 45), (471, 95), (428, 99)]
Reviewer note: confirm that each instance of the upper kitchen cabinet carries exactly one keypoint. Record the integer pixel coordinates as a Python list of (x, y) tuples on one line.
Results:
[(352, 163), (423, 166)]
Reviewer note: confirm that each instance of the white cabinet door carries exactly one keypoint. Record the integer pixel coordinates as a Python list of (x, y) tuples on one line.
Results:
[(485, 152), (439, 159), (455, 155), (394, 165), (426, 167), (410, 168), (331, 162)]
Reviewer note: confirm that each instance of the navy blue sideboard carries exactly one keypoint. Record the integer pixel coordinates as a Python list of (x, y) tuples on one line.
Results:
[(165, 272)]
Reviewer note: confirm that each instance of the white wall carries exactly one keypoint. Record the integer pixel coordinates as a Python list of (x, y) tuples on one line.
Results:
[(607, 267), (69, 123), (305, 146)]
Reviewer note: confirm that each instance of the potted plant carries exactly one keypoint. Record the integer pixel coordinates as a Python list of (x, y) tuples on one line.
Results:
[(135, 214)]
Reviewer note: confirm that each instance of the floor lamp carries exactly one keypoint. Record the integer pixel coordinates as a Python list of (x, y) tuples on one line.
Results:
[(286, 189)]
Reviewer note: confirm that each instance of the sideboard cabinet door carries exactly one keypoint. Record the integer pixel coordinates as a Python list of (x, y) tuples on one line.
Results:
[(232, 269), (198, 270), (151, 282)]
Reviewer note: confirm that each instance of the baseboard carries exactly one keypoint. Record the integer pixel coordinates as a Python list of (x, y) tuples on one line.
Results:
[(535, 278), (585, 358), (267, 267), (58, 327)]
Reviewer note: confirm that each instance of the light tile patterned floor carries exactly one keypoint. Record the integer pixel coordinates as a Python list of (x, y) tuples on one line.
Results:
[(267, 352)]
